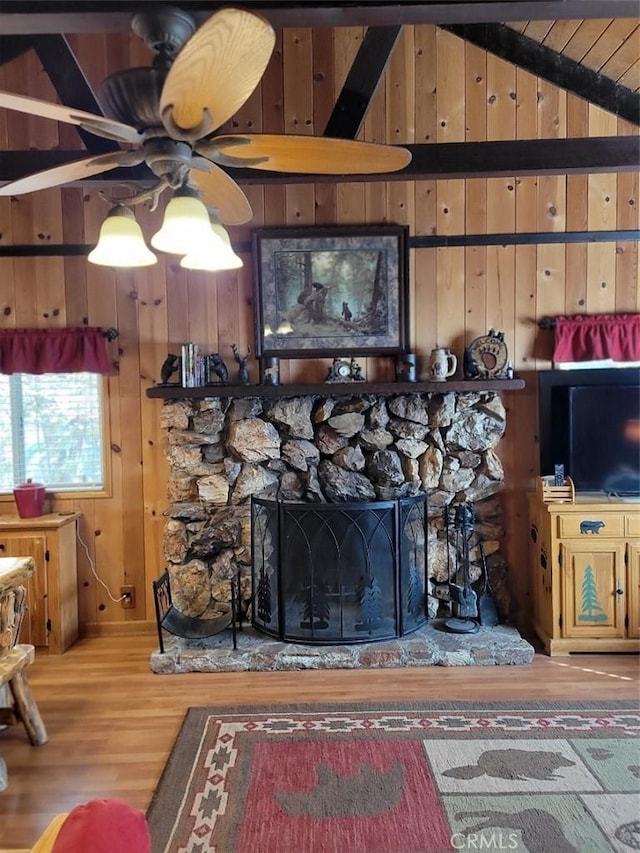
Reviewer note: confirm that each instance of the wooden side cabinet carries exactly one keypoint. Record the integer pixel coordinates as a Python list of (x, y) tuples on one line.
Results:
[(52, 595), (585, 570)]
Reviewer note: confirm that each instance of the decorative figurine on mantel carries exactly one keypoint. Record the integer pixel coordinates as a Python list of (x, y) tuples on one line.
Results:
[(345, 371), (216, 367), (169, 366), (406, 367), (243, 370), (442, 364), (270, 367), (486, 357)]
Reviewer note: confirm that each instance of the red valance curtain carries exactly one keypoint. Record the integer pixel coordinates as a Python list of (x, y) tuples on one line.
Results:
[(67, 350), (597, 337)]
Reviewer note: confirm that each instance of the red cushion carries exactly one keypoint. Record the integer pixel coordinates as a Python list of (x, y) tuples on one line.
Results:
[(103, 826)]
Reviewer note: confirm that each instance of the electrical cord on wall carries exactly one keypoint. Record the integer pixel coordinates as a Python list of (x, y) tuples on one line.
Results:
[(95, 574)]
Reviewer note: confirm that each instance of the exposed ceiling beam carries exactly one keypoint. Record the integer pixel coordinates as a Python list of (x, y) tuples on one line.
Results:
[(430, 241), (430, 162), (362, 80), (23, 17), (13, 46), (61, 65), (534, 57), (449, 160)]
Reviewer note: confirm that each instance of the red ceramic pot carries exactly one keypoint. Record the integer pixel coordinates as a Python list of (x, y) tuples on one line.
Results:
[(29, 498)]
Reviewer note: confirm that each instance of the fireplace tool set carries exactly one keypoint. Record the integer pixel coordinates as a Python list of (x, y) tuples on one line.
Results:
[(469, 610)]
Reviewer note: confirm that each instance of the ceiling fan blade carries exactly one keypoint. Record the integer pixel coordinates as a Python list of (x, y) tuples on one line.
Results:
[(215, 72), (76, 171), (221, 193), (99, 125), (305, 154)]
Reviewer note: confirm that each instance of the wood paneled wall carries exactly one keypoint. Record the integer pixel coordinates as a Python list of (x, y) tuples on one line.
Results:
[(436, 88)]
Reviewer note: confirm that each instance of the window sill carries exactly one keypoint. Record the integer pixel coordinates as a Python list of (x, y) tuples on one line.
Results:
[(7, 497)]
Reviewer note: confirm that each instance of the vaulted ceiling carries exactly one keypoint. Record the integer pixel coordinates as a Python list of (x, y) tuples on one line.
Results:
[(566, 42)]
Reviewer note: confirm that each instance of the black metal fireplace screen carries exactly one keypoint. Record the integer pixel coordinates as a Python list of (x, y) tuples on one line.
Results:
[(339, 572)]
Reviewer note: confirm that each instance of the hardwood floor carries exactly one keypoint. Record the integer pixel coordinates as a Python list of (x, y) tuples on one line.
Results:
[(112, 722)]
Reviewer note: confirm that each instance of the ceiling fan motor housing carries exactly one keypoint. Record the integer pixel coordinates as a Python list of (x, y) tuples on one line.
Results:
[(132, 96)]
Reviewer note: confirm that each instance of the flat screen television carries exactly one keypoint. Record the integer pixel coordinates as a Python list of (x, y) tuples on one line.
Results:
[(589, 421)]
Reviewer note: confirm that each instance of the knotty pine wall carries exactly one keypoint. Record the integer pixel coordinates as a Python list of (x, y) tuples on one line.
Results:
[(435, 89)]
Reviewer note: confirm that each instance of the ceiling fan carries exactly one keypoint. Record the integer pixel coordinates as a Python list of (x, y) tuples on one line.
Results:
[(169, 116)]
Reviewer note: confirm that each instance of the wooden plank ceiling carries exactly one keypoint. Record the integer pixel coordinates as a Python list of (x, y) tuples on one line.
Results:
[(608, 46), (562, 41)]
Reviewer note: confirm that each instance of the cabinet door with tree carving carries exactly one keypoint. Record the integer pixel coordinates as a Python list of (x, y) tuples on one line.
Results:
[(593, 594)]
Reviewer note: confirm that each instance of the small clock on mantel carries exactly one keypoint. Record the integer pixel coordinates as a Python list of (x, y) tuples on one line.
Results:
[(345, 370)]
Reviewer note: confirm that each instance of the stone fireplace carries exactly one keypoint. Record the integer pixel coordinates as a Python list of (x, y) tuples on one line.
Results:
[(330, 447)]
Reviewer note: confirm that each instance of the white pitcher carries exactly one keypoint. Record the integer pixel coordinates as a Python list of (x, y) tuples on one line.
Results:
[(443, 364)]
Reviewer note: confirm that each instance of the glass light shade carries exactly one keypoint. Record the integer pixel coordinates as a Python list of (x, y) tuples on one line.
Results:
[(214, 254), (186, 225), (234, 262), (121, 243)]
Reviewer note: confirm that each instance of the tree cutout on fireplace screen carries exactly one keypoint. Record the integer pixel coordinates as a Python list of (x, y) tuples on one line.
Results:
[(264, 569), (330, 291), (316, 610), (264, 597), (371, 606)]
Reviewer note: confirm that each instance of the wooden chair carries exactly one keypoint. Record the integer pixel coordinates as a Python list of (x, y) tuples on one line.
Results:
[(170, 619), (16, 657)]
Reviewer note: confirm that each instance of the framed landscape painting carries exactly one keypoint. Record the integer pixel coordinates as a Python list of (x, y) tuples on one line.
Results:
[(330, 291)]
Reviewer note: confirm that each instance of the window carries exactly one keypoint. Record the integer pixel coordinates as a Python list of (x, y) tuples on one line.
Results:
[(51, 430)]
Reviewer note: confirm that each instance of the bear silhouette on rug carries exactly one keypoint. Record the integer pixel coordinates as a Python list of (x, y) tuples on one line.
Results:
[(519, 764), (364, 794)]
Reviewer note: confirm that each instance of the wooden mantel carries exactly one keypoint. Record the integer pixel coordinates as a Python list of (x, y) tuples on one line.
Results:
[(333, 389)]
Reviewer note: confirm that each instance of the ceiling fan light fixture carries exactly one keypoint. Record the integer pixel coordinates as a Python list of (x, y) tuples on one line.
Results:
[(185, 226), (216, 253), (223, 234), (121, 243)]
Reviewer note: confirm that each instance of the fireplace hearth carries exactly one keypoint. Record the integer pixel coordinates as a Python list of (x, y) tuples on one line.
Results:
[(431, 645), (334, 573)]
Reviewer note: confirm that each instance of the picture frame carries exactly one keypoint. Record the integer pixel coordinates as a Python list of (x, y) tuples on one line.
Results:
[(322, 292)]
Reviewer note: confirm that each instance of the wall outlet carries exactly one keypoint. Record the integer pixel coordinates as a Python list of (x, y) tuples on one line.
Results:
[(128, 594)]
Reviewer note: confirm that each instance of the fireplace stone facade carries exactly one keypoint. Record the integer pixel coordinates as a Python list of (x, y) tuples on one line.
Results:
[(324, 448)]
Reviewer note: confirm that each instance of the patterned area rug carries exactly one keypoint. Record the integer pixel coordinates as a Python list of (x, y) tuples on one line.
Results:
[(537, 777)]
